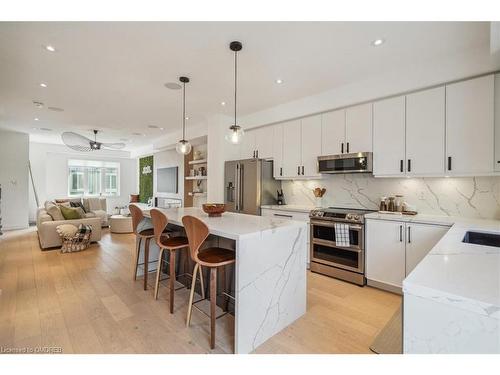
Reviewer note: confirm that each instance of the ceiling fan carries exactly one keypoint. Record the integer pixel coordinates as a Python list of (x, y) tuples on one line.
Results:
[(78, 142)]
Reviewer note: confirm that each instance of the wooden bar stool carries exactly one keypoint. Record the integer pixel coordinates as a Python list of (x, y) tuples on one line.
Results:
[(146, 234), (172, 244), (213, 258)]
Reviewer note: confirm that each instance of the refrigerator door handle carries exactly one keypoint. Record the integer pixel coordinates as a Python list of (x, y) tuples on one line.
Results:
[(237, 183)]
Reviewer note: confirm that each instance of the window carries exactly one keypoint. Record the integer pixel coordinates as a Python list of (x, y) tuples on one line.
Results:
[(90, 177)]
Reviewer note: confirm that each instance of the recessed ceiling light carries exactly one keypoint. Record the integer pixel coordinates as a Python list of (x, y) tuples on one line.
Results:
[(43, 84), (222, 103), (162, 128), (172, 86), (279, 81), (378, 42), (50, 48), (187, 117), (36, 119)]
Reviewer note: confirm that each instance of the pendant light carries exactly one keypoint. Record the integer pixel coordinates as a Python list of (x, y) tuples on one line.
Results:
[(235, 132), (183, 147)]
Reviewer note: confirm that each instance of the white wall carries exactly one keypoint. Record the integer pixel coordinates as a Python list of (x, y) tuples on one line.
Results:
[(49, 163), (14, 178)]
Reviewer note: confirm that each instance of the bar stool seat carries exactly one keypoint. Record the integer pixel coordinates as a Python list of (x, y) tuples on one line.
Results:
[(174, 242), (216, 257)]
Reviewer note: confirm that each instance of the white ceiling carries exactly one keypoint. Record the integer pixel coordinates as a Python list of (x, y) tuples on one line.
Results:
[(110, 75)]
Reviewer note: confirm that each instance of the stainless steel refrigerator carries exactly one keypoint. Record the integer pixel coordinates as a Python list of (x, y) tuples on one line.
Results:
[(249, 184)]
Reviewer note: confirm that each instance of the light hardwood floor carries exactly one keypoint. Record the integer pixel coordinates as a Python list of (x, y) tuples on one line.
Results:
[(87, 303)]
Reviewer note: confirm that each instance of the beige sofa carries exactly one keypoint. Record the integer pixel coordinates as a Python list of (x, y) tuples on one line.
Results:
[(47, 234)]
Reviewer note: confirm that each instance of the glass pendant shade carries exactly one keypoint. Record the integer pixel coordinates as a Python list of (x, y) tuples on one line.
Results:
[(235, 134), (183, 147)]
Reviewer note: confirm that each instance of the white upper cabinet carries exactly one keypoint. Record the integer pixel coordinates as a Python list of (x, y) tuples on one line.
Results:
[(497, 122), (358, 128), (247, 145), (311, 140), (264, 142), (425, 132), (470, 126), (333, 132), (278, 150), (292, 149), (389, 137)]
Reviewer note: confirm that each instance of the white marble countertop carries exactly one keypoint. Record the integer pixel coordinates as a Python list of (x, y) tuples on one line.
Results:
[(463, 275), (289, 207), (230, 225)]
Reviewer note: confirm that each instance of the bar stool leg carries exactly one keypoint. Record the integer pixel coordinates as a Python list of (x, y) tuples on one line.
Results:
[(213, 302), (146, 262), (172, 280), (136, 257), (191, 294), (200, 270), (158, 273)]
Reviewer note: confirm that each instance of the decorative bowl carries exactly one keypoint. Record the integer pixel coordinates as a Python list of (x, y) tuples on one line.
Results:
[(214, 209)]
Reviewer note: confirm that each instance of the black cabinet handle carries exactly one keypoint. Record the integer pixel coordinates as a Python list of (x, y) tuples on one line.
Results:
[(347, 147), (401, 166), (409, 165), (409, 234), (342, 148), (400, 233), (254, 154), (281, 171), (257, 154), (298, 170), (449, 163), (302, 170)]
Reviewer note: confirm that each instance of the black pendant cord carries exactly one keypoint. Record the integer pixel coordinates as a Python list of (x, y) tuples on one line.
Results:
[(184, 111), (235, 83)]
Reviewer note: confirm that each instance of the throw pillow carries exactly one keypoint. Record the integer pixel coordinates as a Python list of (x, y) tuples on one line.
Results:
[(70, 213), (81, 212), (65, 204), (54, 211), (66, 230), (77, 204)]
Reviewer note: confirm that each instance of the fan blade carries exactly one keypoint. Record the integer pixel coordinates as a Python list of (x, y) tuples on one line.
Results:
[(113, 146), (76, 141)]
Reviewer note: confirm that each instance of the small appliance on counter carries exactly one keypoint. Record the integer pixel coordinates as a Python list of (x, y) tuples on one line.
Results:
[(280, 201)]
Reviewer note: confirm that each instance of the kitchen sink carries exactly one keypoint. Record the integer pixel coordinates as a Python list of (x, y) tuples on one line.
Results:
[(482, 238)]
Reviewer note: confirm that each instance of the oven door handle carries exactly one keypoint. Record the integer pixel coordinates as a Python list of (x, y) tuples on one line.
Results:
[(332, 225)]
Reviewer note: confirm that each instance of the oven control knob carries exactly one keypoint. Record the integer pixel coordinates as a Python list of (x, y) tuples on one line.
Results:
[(355, 217), (348, 217)]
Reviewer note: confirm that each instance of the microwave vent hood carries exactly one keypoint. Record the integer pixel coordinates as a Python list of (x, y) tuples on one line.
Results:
[(359, 162)]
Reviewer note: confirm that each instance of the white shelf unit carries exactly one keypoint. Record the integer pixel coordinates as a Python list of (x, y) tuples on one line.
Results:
[(200, 161)]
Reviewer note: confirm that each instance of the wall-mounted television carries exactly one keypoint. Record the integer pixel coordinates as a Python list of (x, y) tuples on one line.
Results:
[(166, 180)]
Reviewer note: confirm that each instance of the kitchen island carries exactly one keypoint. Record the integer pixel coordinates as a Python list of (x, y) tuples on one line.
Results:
[(269, 273)]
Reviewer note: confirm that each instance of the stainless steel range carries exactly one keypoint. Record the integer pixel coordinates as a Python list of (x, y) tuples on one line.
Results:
[(344, 261)]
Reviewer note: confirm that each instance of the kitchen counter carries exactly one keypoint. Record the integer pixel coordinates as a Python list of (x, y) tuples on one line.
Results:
[(229, 225), (269, 273), (289, 207), (452, 297)]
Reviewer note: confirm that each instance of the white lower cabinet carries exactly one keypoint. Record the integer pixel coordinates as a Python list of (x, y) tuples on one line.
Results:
[(394, 249)]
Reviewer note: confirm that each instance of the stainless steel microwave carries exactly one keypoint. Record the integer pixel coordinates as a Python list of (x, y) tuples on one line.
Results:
[(360, 162)]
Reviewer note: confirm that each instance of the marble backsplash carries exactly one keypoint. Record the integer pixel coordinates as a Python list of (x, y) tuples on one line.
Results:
[(475, 197)]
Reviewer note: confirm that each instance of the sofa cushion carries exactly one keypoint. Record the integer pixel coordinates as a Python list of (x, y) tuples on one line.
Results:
[(54, 211), (70, 213), (77, 204), (90, 214)]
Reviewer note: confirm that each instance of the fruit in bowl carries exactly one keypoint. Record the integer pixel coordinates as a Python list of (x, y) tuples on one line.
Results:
[(214, 209)]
